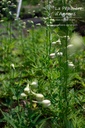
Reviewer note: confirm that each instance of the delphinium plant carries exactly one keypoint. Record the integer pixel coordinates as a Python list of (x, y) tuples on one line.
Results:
[(66, 59)]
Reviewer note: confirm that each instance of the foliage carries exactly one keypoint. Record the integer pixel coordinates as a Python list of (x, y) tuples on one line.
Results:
[(31, 2)]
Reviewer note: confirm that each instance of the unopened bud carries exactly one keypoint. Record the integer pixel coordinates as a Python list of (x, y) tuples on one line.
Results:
[(34, 84), (46, 103), (59, 53), (12, 65), (23, 95), (39, 97), (70, 64), (52, 55), (27, 90)]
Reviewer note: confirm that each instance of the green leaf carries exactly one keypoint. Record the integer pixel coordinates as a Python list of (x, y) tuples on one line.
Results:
[(8, 119)]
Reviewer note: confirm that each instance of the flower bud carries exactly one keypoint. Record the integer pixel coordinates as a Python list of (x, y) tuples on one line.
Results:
[(34, 84), (54, 43), (57, 42), (59, 54), (70, 64), (46, 103), (23, 95), (38, 24), (1, 21), (12, 65), (52, 55), (39, 97), (27, 89), (9, 2)]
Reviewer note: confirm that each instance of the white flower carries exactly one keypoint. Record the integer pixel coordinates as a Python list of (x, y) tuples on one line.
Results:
[(38, 24), (54, 43), (52, 55), (10, 12), (9, 2), (58, 42), (23, 95), (68, 37), (34, 84), (1, 21), (39, 97), (27, 89), (70, 64), (12, 65), (46, 103), (4, 9), (59, 53)]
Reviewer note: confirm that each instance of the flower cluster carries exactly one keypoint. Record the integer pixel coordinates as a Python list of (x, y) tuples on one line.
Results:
[(8, 9), (36, 97), (57, 52), (73, 46)]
